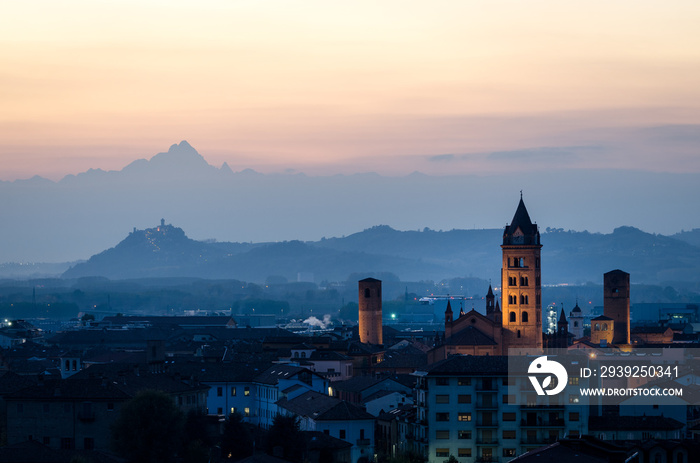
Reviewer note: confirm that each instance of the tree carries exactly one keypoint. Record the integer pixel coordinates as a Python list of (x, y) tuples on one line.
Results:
[(237, 440), (149, 428), (452, 459), (285, 434)]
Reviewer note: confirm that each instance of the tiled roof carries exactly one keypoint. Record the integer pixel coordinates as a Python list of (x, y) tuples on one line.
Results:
[(344, 411), (276, 372), (470, 336), (316, 440), (633, 423), (470, 364)]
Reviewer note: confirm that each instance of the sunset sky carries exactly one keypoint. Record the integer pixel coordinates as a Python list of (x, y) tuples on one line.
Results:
[(338, 87)]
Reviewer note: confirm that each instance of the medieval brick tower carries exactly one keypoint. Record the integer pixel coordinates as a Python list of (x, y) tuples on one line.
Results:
[(616, 304), (520, 282), (370, 305)]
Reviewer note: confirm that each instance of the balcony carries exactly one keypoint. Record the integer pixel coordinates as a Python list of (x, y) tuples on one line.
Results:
[(491, 441), (490, 388), (487, 406), (86, 417), (487, 459), (539, 441), (558, 423), (542, 407), (487, 424), (362, 442)]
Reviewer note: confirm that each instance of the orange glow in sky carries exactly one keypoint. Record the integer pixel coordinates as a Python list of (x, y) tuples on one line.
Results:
[(326, 87)]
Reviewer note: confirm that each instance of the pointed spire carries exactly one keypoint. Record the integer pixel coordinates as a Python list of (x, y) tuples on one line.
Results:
[(562, 317), (498, 306), (448, 311), (521, 229), (490, 293)]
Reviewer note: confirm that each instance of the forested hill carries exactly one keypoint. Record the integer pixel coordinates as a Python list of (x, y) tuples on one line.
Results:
[(567, 256)]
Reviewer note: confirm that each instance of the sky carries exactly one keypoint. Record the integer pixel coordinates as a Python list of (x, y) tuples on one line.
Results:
[(323, 87)]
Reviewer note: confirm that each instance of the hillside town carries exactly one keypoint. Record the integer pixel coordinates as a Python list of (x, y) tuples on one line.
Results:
[(214, 388)]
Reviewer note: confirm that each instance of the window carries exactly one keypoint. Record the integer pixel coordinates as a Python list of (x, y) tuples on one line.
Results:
[(66, 443), (523, 281), (523, 299), (327, 432), (518, 333), (219, 391), (89, 443), (573, 416), (47, 408), (442, 399), (596, 327), (341, 434), (442, 452), (110, 406), (20, 408), (464, 381), (366, 292), (233, 410), (464, 453), (525, 316), (508, 416), (464, 416), (442, 417), (442, 434), (573, 381), (219, 411), (46, 441), (464, 399), (605, 327), (303, 355), (508, 452), (573, 399), (464, 434), (509, 434), (233, 391), (442, 381), (512, 317), (246, 391), (246, 411)]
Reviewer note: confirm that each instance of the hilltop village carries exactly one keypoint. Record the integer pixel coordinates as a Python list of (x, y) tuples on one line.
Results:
[(354, 394)]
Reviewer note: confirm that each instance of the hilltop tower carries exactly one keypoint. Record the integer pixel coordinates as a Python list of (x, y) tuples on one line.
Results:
[(370, 313), (520, 282), (616, 304)]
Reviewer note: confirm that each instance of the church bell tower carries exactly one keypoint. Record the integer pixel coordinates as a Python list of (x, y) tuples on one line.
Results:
[(521, 290)]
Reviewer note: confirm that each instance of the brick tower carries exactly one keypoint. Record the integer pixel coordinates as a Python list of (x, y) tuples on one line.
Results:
[(521, 291), (616, 304), (370, 316)]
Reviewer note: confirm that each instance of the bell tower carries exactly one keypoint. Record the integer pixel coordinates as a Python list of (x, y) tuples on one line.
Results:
[(521, 291)]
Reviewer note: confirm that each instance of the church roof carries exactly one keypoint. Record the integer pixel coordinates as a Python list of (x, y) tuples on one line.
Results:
[(562, 317), (370, 280), (490, 293), (448, 309), (470, 336), (576, 308), (521, 220)]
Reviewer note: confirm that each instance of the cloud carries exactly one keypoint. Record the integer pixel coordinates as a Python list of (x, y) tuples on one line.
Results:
[(550, 154), (442, 158)]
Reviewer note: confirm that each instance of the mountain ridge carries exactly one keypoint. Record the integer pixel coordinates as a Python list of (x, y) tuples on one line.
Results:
[(166, 251)]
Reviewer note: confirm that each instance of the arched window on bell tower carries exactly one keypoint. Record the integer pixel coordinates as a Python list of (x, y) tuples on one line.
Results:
[(512, 317)]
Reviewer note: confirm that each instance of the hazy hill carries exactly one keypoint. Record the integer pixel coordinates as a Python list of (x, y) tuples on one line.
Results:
[(81, 215), (567, 257)]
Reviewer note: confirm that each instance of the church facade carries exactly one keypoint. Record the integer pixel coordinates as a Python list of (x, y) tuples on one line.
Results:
[(515, 323)]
